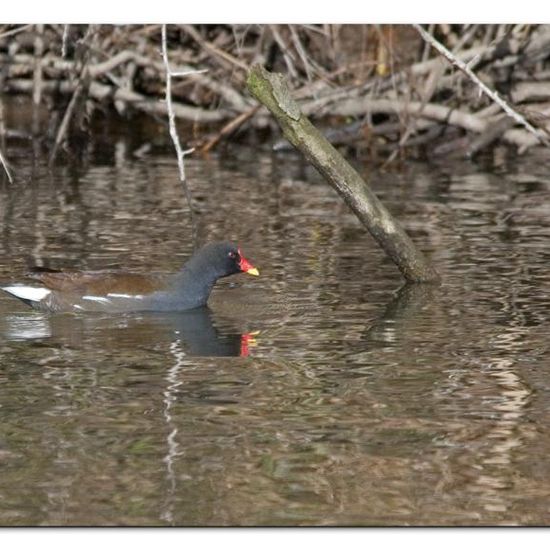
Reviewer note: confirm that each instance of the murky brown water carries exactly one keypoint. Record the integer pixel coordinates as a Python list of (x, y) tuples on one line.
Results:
[(317, 394)]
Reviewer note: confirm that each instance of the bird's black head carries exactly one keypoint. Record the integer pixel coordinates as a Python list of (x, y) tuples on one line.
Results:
[(223, 259)]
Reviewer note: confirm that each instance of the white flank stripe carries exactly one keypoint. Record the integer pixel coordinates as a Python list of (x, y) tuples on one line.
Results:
[(32, 293), (136, 296), (97, 299)]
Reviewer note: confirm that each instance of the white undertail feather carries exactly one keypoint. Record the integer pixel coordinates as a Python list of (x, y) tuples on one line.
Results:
[(31, 293), (101, 299)]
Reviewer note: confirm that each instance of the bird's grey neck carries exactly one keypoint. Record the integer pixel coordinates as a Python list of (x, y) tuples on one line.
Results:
[(197, 283)]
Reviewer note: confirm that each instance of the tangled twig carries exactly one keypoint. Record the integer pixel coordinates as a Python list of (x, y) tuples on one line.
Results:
[(334, 74), (482, 86)]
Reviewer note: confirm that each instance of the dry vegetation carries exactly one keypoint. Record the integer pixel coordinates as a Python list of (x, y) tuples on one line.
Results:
[(380, 88)]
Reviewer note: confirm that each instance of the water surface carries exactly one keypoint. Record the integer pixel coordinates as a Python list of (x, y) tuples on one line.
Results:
[(322, 392)]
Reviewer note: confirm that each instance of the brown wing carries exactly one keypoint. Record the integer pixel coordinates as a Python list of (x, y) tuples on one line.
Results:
[(99, 283)]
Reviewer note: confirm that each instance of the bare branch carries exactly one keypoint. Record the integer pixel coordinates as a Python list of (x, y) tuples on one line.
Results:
[(223, 57), (287, 54), (433, 111), (64, 126), (180, 153), (38, 53), (81, 86), (64, 41), (5, 166), (187, 73), (483, 87), (3, 142), (171, 116), (102, 92), (229, 128), (15, 31)]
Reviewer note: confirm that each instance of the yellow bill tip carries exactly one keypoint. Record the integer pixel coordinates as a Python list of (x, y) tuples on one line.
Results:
[(253, 271)]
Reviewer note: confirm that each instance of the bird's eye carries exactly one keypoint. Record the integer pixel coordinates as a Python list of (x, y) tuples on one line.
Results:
[(232, 254)]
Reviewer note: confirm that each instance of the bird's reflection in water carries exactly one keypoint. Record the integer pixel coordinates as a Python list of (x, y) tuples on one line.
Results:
[(202, 335), (196, 331)]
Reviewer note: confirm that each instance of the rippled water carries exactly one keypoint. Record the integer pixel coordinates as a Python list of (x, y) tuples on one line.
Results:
[(321, 393)]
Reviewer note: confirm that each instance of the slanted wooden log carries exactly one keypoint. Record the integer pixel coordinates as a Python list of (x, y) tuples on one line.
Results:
[(271, 90)]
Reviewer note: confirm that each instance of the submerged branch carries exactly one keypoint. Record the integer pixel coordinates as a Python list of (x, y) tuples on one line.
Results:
[(271, 90)]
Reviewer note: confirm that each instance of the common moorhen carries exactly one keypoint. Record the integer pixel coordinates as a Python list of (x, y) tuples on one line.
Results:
[(118, 291)]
